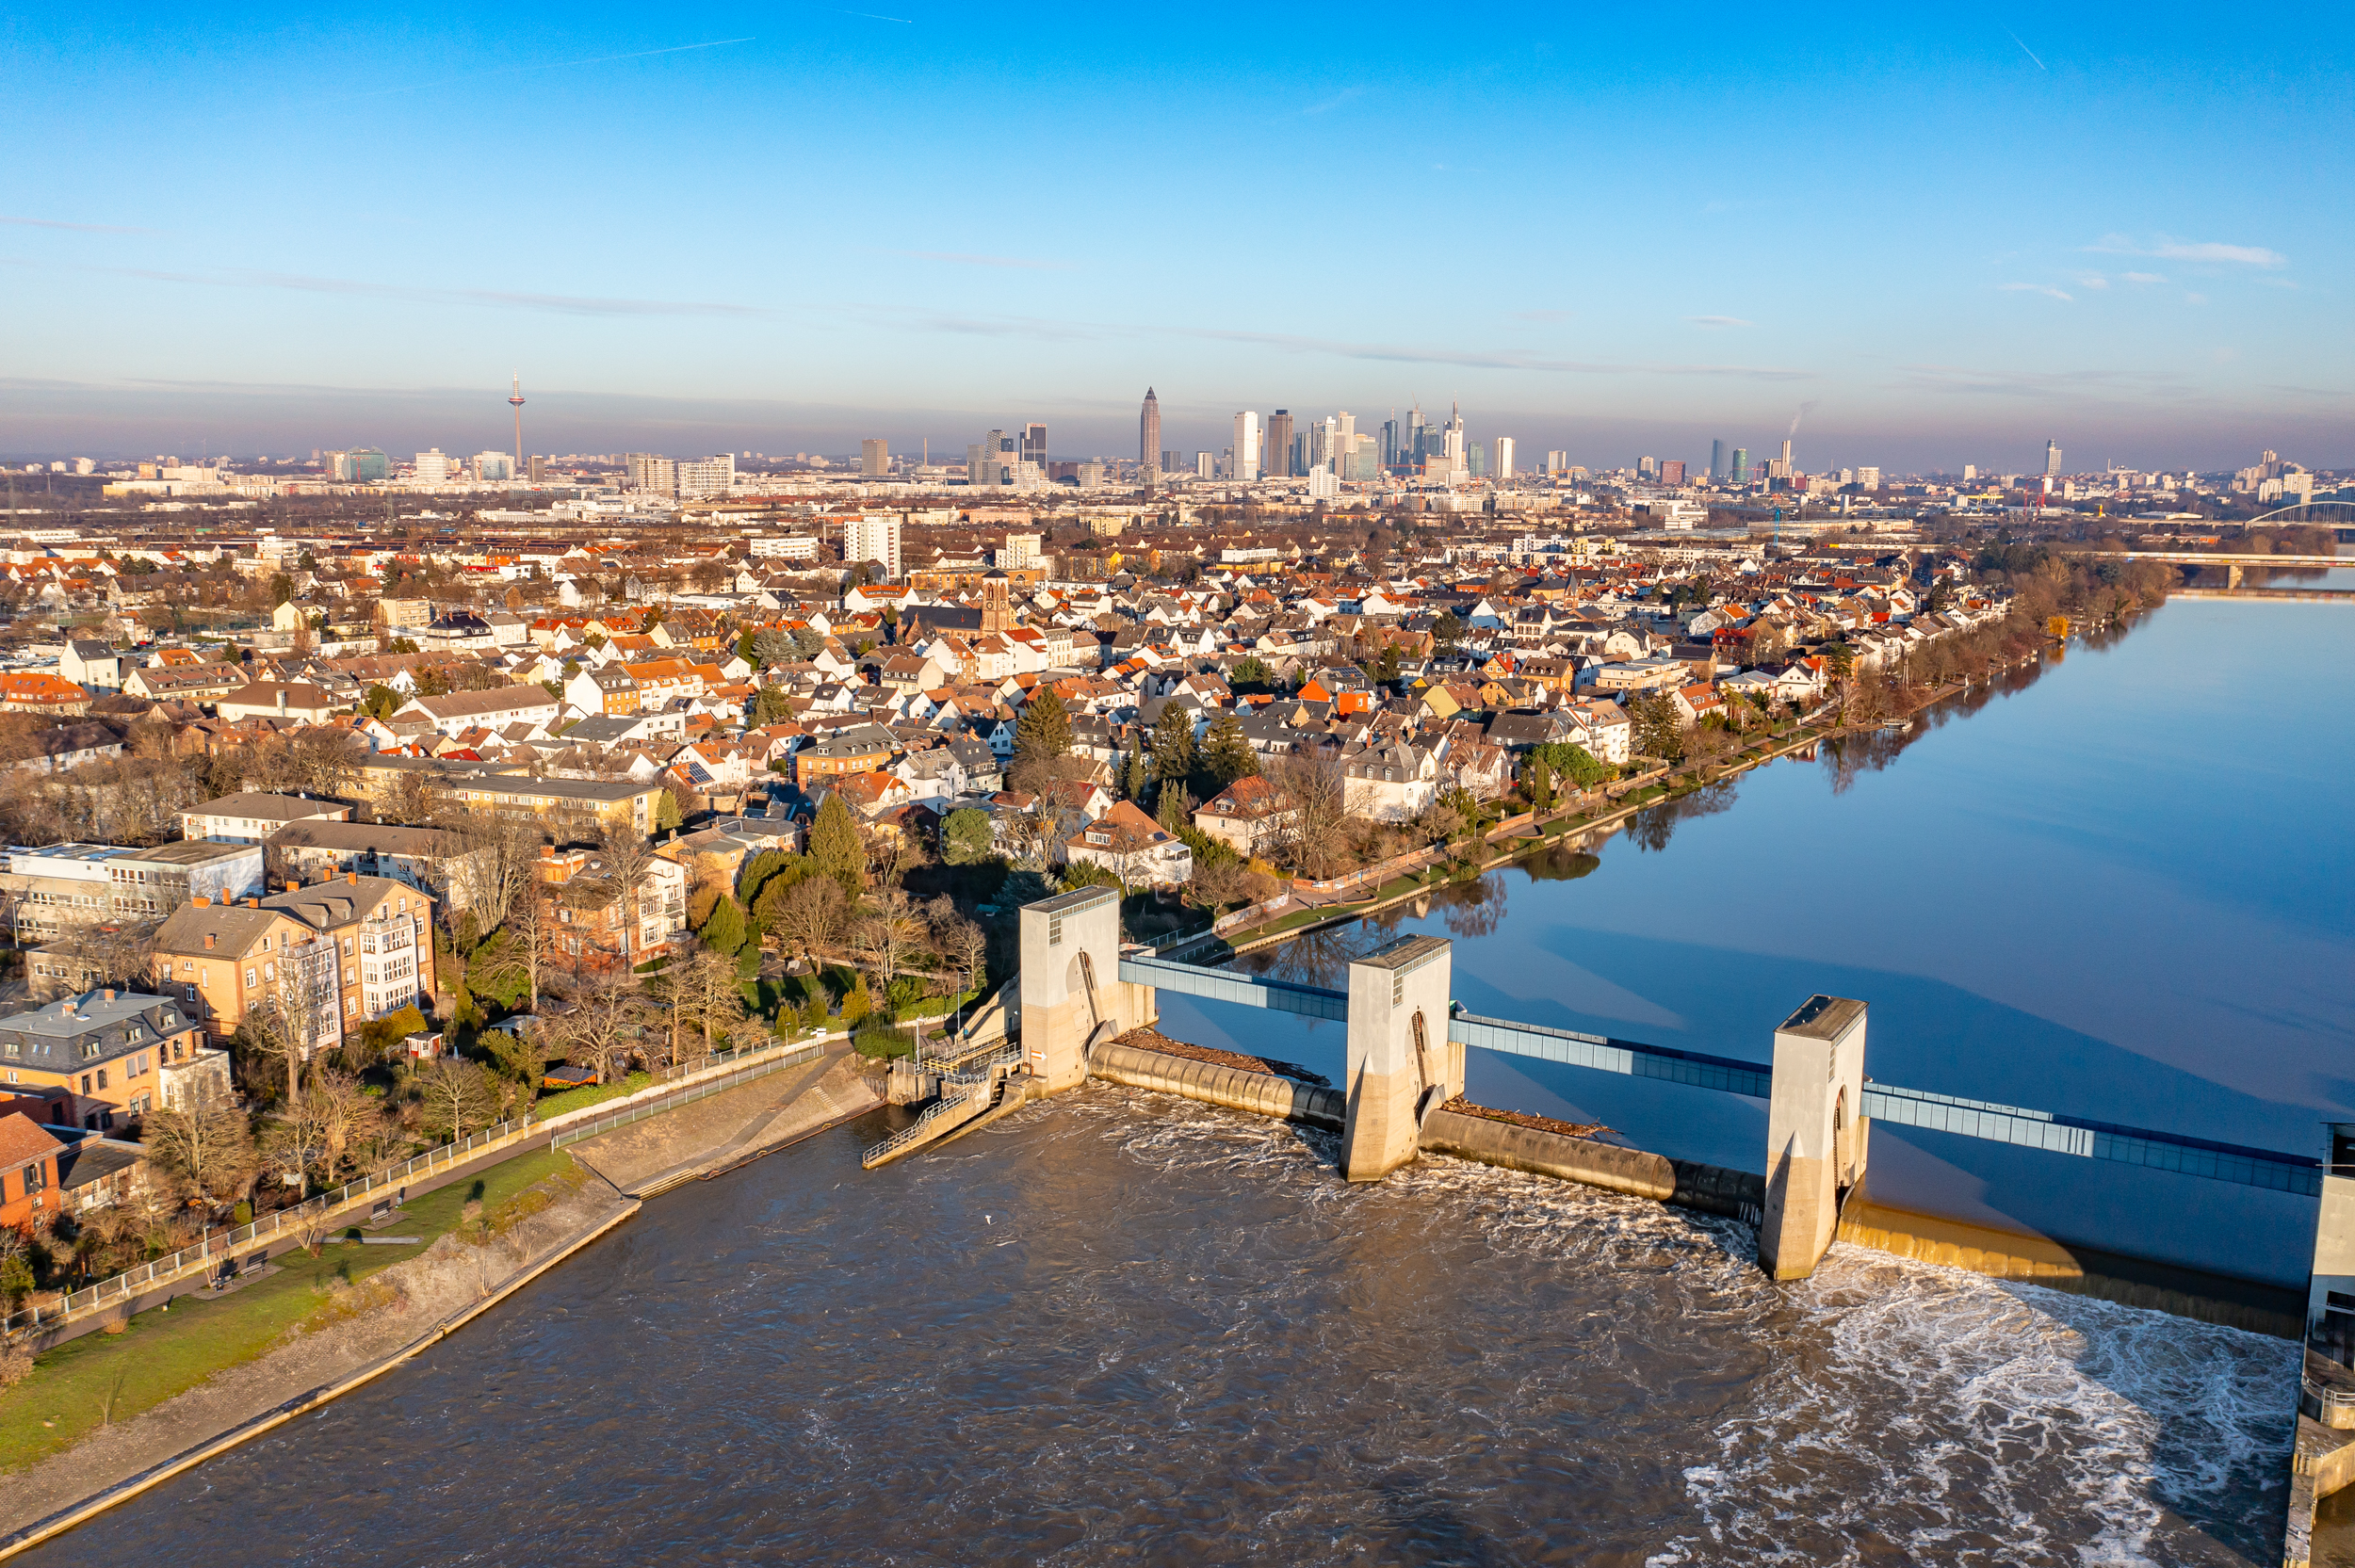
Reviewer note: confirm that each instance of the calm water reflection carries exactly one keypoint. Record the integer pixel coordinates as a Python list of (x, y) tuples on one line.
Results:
[(2116, 886)]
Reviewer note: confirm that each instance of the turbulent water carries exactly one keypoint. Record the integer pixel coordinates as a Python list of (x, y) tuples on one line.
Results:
[(1126, 1328)]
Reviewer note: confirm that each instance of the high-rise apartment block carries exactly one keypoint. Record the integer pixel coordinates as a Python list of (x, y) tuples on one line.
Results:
[(1205, 465), (875, 458), (1504, 457), (1243, 461), (872, 537), (706, 476), (1870, 479), (653, 475), (1672, 472), (431, 467)]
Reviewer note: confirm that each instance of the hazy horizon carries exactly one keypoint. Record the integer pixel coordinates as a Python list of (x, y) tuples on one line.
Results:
[(1949, 239)]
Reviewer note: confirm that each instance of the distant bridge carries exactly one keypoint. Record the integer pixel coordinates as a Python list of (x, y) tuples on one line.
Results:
[(2206, 557)]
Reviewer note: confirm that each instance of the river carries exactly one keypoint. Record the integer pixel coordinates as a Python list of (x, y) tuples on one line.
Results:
[(1118, 1327)]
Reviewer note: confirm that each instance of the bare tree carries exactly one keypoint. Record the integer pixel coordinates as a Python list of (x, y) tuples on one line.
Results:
[(886, 937), (700, 991), (209, 1150), (1315, 839), (454, 1097), (602, 1027), (812, 913)]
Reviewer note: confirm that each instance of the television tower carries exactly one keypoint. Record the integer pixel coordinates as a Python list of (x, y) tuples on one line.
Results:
[(516, 397)]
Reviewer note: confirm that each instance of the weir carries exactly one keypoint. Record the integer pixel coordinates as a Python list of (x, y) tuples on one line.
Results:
[(1077, 991)]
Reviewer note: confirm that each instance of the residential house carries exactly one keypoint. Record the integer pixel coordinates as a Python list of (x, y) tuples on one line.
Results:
[(110, 1048), (30, 1186), (1132, 847), (329, 956), (252, 819), (1249, 815), (59, 889), (496, 708), (601, 925), (428, 859), (277, 700)]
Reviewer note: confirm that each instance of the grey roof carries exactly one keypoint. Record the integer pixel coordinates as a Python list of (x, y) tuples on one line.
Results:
[(381, 837), (264, 808), (97, 1026)]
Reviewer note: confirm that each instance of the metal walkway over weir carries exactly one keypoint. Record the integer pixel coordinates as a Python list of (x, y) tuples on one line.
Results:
[(2051, 1132)]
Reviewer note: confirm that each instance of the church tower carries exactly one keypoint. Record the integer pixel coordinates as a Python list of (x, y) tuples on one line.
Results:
[(996, 604)]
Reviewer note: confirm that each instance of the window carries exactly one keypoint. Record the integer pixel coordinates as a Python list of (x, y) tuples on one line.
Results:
[(102, 1077), (250, 980), (86, 1083), (35, 1179)]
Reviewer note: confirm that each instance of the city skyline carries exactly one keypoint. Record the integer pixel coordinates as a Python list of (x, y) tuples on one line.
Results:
[(274, 237)]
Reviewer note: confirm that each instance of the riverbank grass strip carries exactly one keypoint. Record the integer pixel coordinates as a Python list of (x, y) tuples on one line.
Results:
[(101, 1378)]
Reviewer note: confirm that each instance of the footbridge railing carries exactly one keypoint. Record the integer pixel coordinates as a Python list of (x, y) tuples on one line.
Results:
[(2052, 1132)]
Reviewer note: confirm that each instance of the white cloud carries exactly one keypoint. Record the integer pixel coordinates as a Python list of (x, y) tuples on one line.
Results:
[(2045, 289), (2201, 250), (1720, 321), (2092, 279), (2143, 277)]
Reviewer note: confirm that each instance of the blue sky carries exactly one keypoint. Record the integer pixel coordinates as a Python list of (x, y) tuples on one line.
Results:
[(1948, 235)]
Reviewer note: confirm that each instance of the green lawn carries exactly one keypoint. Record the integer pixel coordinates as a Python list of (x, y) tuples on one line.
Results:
[(163, 1353)]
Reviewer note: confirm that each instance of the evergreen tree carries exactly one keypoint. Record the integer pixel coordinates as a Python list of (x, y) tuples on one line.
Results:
[(757, 872), (1044, 731), (1136, 775), (1173, 742), (1177, 806), (726, 930), (1227, 752), (1538, 783), (965, 837), (858, 1004), (835, 849), (666, 811)]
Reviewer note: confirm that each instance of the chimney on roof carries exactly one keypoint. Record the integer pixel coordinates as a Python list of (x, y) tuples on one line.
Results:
[(108, 993), (208, 941), (352, 876), (202, 902), (254, 903)]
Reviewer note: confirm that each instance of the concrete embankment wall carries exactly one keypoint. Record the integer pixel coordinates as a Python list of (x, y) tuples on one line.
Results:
[(1261, 1093), (1711, 1189)]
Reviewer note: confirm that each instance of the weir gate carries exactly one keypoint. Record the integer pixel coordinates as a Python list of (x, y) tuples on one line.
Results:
[(1076, 991)]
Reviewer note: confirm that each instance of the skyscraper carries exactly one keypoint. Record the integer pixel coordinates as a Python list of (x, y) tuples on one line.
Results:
[(1738, 466), (1279, 444), (875, 458), (1786, 457), (1246, 462), (1716, 460), (1389, 441), (1034, 445), (2052, 457), (1504, 457), (1672, 472), (1149, 439)]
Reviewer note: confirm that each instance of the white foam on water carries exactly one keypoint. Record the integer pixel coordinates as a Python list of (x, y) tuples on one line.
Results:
[(1904, 1409)]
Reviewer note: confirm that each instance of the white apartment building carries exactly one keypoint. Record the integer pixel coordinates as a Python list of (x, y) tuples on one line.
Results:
[(873, 538), (1244, 455), (706, 476), (784, 546), (431, 467), (1021, 551), (1503, 469)]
